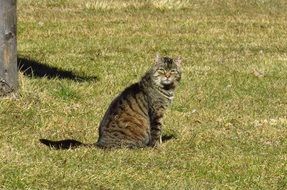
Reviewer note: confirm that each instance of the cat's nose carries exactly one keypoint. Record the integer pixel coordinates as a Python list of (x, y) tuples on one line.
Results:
[(167, 75)]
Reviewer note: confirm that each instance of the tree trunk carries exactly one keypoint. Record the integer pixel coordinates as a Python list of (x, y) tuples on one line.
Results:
[(8, 48)]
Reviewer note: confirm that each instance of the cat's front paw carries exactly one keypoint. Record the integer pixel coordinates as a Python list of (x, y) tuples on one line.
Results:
[(154, 143)]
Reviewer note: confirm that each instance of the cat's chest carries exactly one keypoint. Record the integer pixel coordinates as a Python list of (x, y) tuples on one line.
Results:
[(159, 103)]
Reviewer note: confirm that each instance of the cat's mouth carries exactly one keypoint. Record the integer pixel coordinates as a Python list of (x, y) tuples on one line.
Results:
[(166, 82)]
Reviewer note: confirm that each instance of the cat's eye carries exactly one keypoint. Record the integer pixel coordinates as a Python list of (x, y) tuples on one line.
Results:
[(161, 71), (173, 71)]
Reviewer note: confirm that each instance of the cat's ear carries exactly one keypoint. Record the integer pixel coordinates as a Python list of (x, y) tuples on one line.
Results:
[(157, 58), (178, 61)]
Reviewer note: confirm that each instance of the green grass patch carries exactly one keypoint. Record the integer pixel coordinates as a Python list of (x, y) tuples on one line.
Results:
[(229, 116)]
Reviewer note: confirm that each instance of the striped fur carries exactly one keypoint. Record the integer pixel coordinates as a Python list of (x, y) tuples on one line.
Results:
[(134, 118)]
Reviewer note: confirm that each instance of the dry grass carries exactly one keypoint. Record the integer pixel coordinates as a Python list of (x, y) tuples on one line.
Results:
[(229, 115)]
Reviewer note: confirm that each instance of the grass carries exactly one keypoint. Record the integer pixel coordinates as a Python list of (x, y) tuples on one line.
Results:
[(229, 114)]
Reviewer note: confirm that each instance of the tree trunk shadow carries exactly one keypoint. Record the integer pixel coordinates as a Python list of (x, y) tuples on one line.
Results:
[(33, 68)]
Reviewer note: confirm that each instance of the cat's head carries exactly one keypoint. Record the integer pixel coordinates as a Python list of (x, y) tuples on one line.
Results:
[(166, 72)]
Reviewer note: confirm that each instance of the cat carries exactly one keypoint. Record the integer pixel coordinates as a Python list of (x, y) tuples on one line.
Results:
[(134, 118)]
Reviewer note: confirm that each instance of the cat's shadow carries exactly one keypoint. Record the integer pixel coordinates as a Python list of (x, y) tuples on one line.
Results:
[(168, 137)]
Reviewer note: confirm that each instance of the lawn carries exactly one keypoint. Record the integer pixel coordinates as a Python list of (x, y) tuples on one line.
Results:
[(228, 118)]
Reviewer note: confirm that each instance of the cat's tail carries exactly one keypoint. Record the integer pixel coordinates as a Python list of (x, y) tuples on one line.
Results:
[(64, 144)]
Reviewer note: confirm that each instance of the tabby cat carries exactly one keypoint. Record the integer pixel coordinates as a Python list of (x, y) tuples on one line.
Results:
[(134, 118)]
